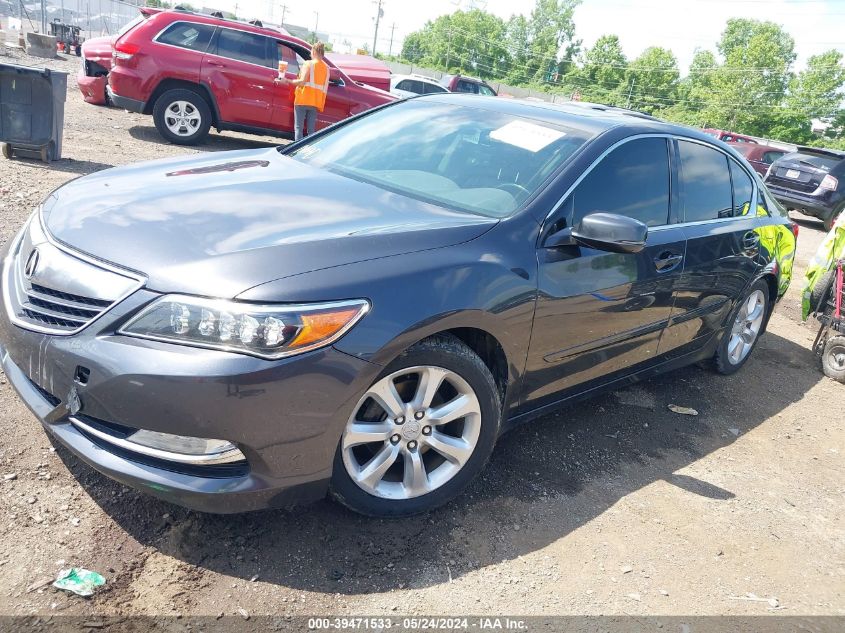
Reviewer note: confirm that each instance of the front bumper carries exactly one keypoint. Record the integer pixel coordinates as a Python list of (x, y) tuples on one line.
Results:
[(285, 416), (93, 89)]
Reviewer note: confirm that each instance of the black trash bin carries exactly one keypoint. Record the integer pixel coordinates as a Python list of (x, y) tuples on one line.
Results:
[(32, 111)]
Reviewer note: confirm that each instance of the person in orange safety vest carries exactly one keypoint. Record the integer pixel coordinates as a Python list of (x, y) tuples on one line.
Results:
[(312, 86)]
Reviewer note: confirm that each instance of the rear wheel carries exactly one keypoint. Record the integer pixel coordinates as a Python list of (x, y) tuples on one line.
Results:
[(828, 223), (420, 433), (833, 358), (7, 151), (182, 116), (746, 324)]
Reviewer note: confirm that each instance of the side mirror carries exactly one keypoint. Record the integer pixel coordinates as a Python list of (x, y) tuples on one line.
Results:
[(611, 232), (335, 78)]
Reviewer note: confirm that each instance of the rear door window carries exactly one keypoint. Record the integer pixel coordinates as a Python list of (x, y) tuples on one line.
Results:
[(190, 35), (467, 86), (633, 180), (246, 47), (430, 88), (706, 183), (743, 189)]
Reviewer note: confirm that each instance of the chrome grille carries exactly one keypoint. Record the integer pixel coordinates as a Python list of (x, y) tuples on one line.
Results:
[(49, 289)]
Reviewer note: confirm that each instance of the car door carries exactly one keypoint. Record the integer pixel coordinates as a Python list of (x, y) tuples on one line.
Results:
[(723, 245), (339, 101), (600, 315), (283, 93), (240, 68)]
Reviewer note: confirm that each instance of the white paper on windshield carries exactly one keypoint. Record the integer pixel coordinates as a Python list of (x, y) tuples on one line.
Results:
[(526, 135)]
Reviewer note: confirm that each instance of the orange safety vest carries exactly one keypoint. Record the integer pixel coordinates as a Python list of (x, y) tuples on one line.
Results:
[(313, 92)]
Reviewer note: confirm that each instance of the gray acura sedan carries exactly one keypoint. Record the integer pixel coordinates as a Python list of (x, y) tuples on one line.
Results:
[(365, 312)]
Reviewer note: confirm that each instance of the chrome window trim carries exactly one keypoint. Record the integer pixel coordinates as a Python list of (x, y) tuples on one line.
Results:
[(666, 135), (9, 261)]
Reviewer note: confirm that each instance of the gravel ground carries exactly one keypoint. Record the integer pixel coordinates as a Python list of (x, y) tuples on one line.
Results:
[(613, 506)]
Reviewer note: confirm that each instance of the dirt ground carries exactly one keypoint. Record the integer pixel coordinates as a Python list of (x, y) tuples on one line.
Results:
[(614, 506)]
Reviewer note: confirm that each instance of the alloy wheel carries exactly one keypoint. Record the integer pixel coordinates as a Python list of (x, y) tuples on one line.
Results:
[(746, 327), (411, 432), (182, 118)]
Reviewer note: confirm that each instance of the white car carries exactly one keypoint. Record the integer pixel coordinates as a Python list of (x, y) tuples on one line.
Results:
[(412, 85)]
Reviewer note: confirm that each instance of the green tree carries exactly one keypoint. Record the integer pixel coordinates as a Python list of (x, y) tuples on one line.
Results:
[(816, 93), (651, 81), (750, 86), (465, 41), (551, 39), (605, 63)]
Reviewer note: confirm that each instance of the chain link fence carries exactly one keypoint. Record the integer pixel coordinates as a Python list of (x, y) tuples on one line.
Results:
[(93, 17)]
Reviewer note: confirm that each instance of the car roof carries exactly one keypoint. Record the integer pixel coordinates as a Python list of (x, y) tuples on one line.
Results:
[(833, 153), (237, 24), (577, 114), (429, 80)]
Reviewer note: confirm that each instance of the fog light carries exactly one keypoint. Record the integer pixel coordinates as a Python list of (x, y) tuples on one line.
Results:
[(194, 449)]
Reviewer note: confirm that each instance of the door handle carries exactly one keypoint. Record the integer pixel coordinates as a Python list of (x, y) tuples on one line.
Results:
[(751, 240), (217, 64), (667, 260)]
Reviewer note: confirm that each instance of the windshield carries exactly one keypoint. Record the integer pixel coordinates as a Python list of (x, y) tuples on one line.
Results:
[(467, 158)]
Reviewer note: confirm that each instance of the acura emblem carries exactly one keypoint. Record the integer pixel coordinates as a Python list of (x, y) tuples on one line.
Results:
[(31, 263)]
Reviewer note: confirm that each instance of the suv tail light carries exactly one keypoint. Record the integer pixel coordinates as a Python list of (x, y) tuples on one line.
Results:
[(829, 183), (125, 50)]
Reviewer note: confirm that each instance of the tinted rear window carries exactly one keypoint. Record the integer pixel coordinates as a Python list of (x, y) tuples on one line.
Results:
[(706, 183), (825, 163), (187, 35)]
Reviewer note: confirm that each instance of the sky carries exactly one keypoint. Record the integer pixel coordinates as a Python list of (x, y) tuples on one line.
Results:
[(679, 25)]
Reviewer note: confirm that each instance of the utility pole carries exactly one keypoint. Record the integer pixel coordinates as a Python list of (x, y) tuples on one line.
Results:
[(316, 24), (284, 12), (630, 90), (390, 50), (379, 13)]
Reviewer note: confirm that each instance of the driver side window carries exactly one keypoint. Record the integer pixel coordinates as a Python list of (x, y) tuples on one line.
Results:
[(633, 180)]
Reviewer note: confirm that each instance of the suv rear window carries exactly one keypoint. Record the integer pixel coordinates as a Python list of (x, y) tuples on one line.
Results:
[(825, 163), (187, 35)]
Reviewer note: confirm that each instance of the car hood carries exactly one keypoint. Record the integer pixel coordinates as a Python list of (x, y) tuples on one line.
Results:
[(218, 224)]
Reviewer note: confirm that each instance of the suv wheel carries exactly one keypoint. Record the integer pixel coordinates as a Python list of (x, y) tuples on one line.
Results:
[(420, 433), (745, 325), (182, 116), (828, 224)]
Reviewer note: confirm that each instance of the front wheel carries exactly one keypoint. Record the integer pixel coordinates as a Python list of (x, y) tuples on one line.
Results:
[(746, 324), (420, 434), (182, 116)]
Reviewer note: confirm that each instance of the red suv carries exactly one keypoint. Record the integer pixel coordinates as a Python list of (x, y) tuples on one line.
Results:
[(192, 71)]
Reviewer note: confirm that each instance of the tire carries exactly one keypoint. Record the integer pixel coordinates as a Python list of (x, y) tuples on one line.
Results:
[(182, 116), (407, 441), (8, 151), (821, 291), (741, 328), (829, 222), (833, 358)]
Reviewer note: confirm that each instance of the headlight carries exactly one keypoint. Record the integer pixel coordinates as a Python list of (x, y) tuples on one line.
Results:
[(266, 331)]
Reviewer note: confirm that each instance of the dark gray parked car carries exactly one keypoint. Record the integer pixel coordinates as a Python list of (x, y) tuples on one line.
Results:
[(366, 311)]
